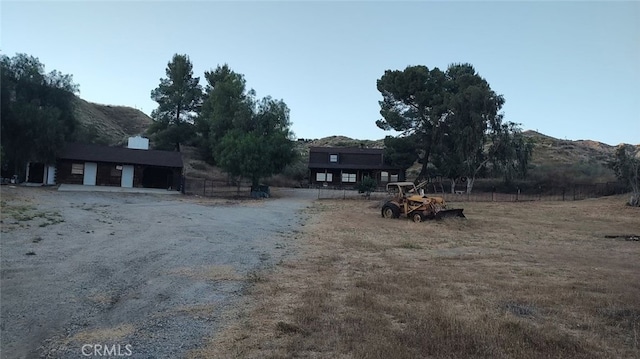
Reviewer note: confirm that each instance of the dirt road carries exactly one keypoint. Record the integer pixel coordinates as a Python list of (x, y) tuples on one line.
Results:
[(151, 276)]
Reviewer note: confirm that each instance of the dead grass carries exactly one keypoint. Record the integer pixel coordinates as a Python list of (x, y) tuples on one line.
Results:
[(514, 280)]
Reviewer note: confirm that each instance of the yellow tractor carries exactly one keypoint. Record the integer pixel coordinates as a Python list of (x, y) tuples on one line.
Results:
[(408, 202)]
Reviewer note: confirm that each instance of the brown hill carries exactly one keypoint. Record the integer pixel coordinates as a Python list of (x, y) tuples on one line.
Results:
[(553, 159), (108, 124), (549, 150)]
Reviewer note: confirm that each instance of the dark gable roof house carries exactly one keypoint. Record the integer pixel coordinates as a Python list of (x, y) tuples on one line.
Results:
[(97, 165), (346, 166)]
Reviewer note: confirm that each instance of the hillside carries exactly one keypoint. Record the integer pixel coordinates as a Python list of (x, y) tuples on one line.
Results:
[(554, 160), (108, 124), (549, 150)]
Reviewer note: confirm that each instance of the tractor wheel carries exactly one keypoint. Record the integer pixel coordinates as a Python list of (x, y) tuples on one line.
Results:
[(417, 217), (390, 210)]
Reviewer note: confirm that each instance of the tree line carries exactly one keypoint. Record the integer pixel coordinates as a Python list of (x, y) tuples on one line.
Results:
[(450, 122), (246, 136)]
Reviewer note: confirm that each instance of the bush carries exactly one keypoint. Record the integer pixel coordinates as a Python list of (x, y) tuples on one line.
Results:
[(367, 186)]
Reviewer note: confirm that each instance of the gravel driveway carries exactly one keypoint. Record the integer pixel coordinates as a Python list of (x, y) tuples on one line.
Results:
[(85, 274)]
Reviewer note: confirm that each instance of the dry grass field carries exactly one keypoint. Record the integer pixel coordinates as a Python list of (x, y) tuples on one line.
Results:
[(513, 280)]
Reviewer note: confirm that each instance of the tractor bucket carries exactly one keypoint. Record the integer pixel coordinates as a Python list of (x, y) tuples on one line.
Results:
[(450, 213)]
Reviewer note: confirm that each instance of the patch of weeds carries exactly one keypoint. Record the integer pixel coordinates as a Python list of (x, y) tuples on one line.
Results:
[(410, 245), (30, 253), (36, 239), (287, 328), (23, 217), (255, 277)]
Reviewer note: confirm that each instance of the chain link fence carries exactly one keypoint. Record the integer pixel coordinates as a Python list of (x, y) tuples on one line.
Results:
[(215, 188), (567, 193)]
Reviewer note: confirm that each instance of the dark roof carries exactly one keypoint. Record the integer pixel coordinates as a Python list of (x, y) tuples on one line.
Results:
[(121, 155), (352, 166), (346, 150)]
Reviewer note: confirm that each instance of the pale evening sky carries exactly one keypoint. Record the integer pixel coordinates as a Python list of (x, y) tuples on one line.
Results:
[(567, 69)]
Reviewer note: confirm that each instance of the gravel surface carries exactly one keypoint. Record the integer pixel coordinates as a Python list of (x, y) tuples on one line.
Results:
[(147, 275)]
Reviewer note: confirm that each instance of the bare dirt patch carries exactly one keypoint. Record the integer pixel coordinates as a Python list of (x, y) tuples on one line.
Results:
[(154, 274), (514, 280)]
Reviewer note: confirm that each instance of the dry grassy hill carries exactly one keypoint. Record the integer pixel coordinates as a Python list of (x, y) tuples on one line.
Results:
[(108, 124), (566, 161), (549, 150)]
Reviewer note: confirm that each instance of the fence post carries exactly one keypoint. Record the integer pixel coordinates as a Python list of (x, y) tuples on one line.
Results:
[(493, 193), (563, 192), (344, 194), (318, 193), (204, 188), (574, 192), (518, 195)]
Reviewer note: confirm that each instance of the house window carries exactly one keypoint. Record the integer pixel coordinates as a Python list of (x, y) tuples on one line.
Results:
[(77, 168), (324, 177), (384, 176), (349, 177), (333, 158), (394, 178)]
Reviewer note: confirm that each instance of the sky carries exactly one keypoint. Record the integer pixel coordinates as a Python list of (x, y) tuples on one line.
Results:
[(570, 70)]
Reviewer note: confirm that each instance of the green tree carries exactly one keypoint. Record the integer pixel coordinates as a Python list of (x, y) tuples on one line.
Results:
[(414, 104), (401, 152), (626, 165), (37, 112), (179, 97), (366, 186), (260, 146), (246, 137), (226, 105), (453, 118)]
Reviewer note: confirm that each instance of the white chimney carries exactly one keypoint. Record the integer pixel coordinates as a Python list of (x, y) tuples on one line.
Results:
[(138, 142)]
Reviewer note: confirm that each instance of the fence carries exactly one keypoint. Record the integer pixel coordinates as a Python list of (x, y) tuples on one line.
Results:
[(213, 188), (569, 193), (221, 188)]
